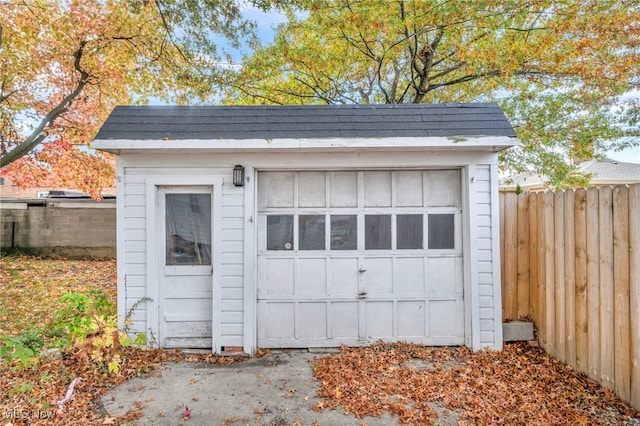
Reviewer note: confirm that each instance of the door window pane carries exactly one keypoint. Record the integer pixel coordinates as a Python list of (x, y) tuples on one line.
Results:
[(441, 231), (344, 235), (188, 229), (409, 189), (280, 232), (409, 231), (377, 232), (344, 189), (311, 189), (275, 189), (443, 187), (377, 189), (311, 232)]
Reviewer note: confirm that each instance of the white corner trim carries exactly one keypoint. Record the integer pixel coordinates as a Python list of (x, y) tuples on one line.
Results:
[(495, 261), (121, 295), (472, 258), (250, 286)]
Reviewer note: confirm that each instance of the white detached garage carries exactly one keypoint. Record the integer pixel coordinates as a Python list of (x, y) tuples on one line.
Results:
[(309, 226)]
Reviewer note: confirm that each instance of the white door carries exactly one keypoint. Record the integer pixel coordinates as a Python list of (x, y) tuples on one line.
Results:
[(352, 257), (186, 280)]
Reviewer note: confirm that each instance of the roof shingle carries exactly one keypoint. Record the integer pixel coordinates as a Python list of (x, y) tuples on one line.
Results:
[(305, 121)]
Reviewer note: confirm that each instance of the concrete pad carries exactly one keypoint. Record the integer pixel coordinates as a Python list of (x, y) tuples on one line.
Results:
[(516, 331), (272, 390)]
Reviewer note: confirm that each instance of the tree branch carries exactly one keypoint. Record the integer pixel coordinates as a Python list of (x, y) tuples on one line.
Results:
[(169, 32), (430, 50), (37, 136), (464, 79)]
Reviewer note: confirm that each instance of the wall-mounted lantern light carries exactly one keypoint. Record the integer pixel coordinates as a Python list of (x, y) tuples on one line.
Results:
[(238, 176)]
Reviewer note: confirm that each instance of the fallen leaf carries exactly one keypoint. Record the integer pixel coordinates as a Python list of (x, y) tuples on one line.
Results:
[(186, 414)]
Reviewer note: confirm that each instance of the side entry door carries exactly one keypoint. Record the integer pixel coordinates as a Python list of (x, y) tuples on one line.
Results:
[(186, 266)]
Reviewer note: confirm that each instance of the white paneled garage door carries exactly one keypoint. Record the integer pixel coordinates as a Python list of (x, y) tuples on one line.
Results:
[(350, 257)]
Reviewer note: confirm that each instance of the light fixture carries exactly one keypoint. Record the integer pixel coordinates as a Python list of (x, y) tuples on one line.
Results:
[(238, 176)]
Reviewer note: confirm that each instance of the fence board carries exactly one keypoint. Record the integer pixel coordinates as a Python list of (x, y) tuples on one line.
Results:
[(522, 307), (607, 333), (622, 320), (570, 277), (549, 342), (533, 258), (580, 229), (634, 291), (502, 256), (541, 284), (560, 337), (593, 284), (510, 295)]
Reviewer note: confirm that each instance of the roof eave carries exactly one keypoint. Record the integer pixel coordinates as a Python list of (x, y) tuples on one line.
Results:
[(474, 143)]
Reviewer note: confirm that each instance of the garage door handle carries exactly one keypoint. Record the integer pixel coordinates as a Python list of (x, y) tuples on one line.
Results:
[(363, 270), (362, 294)]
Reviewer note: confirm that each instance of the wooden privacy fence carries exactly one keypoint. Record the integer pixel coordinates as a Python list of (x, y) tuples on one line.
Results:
[(571, 263)]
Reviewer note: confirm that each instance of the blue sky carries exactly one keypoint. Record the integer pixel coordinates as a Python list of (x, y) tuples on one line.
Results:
[(631, 155)]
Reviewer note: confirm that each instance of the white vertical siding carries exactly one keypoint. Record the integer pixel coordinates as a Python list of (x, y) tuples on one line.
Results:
[(134, 227), (484, 255), (232, 292)]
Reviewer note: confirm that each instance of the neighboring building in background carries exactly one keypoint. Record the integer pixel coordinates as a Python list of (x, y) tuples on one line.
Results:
[(603, 173), (9, 189)]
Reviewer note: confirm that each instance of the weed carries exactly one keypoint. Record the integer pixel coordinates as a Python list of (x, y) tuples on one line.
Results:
[(22, 388), (79, 317), (127, 320), (22, 349)]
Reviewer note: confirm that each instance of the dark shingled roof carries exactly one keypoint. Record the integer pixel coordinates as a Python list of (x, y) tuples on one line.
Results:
[(305, 121)]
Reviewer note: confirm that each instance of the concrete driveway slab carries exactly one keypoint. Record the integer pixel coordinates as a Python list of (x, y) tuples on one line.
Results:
[(277, 389)]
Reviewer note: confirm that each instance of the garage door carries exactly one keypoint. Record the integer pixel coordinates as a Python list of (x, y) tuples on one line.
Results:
[(352, 257)]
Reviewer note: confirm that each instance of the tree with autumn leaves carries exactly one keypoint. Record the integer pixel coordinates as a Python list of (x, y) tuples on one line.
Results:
[(565, 71), (65, 65)]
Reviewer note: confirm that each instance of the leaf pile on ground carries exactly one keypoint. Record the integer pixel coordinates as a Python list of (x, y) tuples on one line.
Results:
[(520, 385)]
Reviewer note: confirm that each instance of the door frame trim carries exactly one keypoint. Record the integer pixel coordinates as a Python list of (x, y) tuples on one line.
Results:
[(152, 186)]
